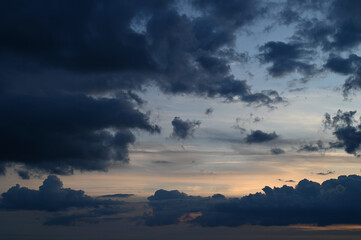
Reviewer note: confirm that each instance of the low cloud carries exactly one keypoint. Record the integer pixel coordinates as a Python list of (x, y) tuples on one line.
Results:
[(51, 196), (66, 206), (335, 201), (259, 136), (183, 129), (346, 129), (67, 131)]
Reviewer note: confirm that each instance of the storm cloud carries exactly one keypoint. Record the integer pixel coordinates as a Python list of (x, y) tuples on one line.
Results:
[(61, 132), (70, 72), (335, 201), (101, 41)]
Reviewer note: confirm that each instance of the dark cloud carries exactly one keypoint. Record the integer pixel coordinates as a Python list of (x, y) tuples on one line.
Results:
[(119, 195), (55, 57), (162, 194), (168, 207), (23, 174), (351, 67), (67, 206), (183, 129), (209, 111), (232, 13), (277, 151), (346, 129), (286, 58), (259, 136), (341, 65), (325, 173), (335, 201), (2, 169), (312, 147), (61, 132), (51, 196), (333, 25), (346, 23), (97, 47)]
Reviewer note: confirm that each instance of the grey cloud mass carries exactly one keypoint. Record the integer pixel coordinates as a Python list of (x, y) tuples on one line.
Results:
[(183, 129), (259, 136), (57, 58), (335, 201), (51, 196), (61, 132), (346, 129)]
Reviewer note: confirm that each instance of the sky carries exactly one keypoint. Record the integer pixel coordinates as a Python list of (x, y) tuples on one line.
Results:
[(146, 119)]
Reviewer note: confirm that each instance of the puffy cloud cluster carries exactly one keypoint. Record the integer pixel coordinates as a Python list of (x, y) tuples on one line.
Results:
[(183, 129), (67, 206), (322, 28), (346, 129), (51, 196), (335, 201)]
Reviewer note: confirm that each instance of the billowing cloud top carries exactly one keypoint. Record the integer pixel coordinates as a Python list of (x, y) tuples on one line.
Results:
[(335, 201), (51, 196)]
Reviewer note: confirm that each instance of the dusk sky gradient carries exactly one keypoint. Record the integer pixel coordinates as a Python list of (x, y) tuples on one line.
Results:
[(197, 119)]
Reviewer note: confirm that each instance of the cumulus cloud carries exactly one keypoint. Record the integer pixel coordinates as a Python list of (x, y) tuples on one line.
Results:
[(346, 129), (51, 196), (335, 28), (331, 26), (351, 67), (183, 129), (259, 136), (61, 132), (335, 201), (169, 206), (65, 206)]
